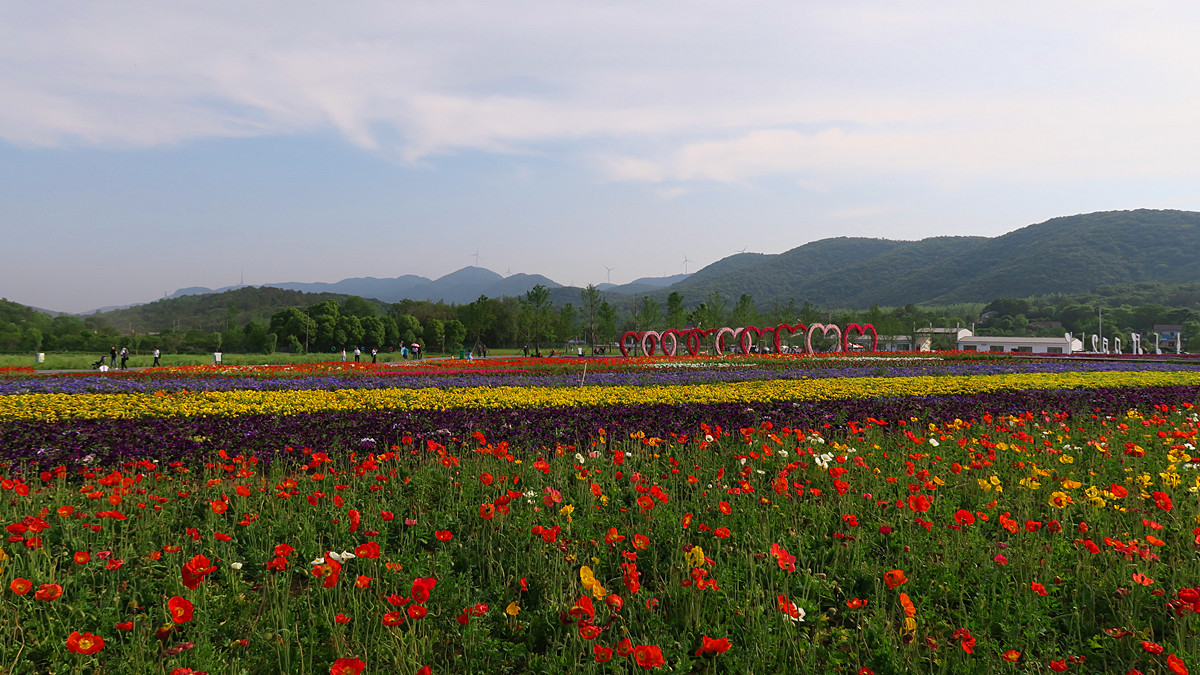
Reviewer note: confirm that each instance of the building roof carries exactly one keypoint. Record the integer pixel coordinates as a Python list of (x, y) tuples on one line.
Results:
[(1000, 339)]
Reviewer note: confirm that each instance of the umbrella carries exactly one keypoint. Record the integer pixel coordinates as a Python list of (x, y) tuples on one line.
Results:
[(414, 345)]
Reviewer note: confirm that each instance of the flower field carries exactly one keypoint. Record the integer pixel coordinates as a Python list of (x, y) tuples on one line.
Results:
[(940, 514)]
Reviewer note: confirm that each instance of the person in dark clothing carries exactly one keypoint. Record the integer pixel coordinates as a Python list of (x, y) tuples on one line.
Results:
[(124, 358), (112, 357), (156, 355)]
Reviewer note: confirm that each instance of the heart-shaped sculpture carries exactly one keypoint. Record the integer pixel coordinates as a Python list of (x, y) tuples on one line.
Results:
[(861, 330), (662, 341), (719, 341), (778, 330), (653, 338), (625, 339), (825, 330), (695, 337), (741, 338)]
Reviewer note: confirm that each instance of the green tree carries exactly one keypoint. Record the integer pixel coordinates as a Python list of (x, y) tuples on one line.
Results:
[(374, 333), (477, 317), (591, 299), (677, 314), (360, 307), (456, 332), (537, 317), (648, 314), (744, 312), (435, 333)]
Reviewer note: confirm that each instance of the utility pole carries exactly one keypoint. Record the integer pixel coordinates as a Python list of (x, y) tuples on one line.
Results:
[(1101, 326)]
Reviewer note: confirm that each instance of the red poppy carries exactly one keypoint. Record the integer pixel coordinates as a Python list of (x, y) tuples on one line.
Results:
[(1032, 525), (725, 507), (393, 618), (583, 607), (331, 570), (640, 541), (417, 612), (487, 511), (341, 618), (48, 592), (20, 586), (1176, 664), (625, 647), (964, 517), (195, 570), (1059, 666), (124, 625), (602, 654), (421, 588), (1162, 500), (82, 557), (180, 609), (486, 478), (84, 643), (369, 550), (648, 656), (722, 533), (894, 578), (347, 667), (1152, 647), (714, 645), (1011, 655), (443, 535)]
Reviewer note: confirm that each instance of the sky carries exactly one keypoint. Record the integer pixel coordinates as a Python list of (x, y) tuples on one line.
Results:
[(150, 146)]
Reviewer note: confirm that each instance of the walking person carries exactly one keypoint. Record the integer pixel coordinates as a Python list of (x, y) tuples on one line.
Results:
[(112, 357), (124, 357), (156, 355), (343, 354), (374, 352), (357, 353)]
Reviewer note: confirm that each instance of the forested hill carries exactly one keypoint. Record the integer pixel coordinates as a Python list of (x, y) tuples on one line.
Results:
[(1069, 255), (214, 311)]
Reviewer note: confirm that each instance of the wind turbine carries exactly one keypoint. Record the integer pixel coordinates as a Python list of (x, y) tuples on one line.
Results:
[(476, 255), (685, 262), (610, 269), (743, 250)]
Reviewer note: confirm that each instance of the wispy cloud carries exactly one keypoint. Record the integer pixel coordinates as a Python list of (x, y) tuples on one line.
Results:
[(673, 92)]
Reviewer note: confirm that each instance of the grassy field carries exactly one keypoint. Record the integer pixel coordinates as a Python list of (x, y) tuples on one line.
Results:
[(85, 361)]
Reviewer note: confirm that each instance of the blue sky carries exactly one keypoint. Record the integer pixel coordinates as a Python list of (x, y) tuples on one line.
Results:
[(146, 147)]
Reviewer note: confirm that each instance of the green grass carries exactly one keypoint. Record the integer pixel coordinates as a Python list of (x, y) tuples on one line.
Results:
[(84, 361)]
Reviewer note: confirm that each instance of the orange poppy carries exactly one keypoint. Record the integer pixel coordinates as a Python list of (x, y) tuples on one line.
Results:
[(648, 656), (894, 578), (48, 592)]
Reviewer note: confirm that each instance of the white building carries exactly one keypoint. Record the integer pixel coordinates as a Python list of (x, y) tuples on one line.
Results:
[(1026, 345)]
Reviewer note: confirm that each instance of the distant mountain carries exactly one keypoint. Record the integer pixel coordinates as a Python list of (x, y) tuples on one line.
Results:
[(1073, 254), (1068, 255)]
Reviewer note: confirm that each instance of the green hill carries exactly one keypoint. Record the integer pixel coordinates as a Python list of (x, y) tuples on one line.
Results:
[(1069, 255), (212, 311)]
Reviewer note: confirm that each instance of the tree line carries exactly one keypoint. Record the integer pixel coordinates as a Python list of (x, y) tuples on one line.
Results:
[(533, 320)]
